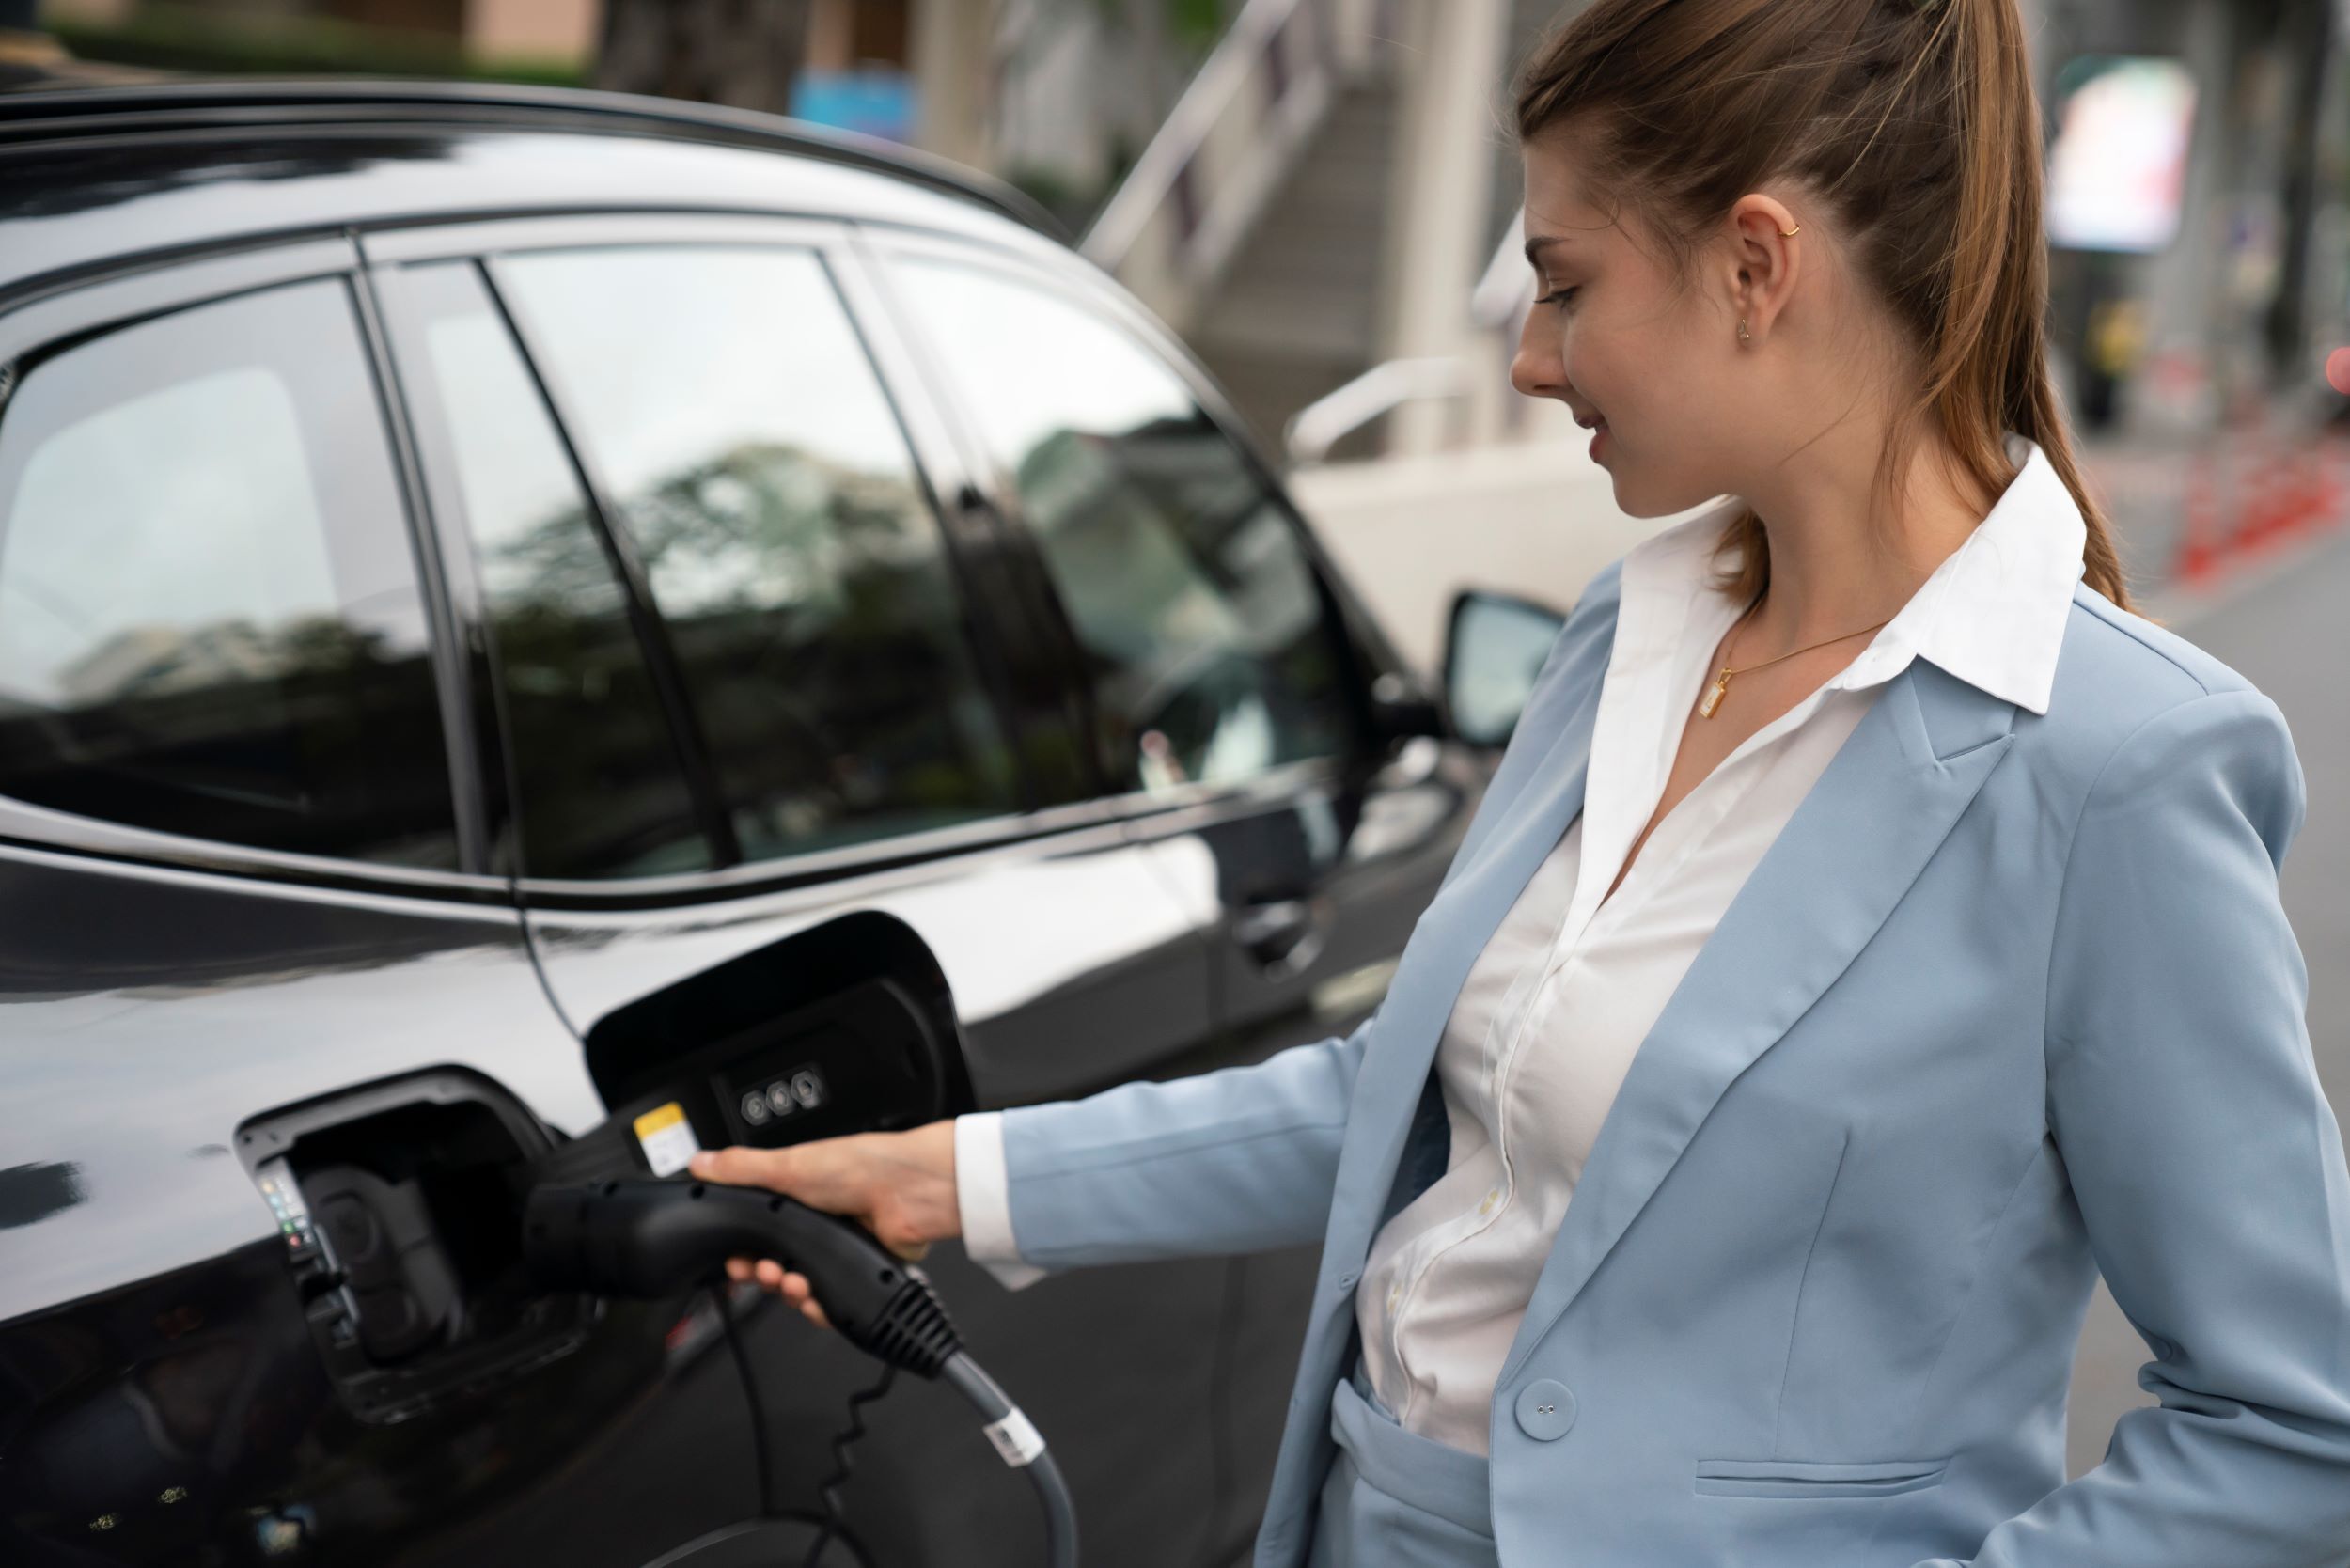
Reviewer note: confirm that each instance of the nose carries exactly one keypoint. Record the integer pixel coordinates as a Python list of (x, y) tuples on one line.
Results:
[(1537, 370)]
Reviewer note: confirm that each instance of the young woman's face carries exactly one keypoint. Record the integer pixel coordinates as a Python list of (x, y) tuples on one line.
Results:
[(1610, 337)]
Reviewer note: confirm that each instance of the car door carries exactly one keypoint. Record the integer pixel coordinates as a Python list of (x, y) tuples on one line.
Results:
[(755, 698), (1227, 682), (1230, 691), (242, 869)]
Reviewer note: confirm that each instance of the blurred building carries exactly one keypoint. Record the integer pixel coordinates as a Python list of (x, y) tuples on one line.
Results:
[(1330, 213), (841, 35), (1322, 196), (2238, 303), (555, 29)]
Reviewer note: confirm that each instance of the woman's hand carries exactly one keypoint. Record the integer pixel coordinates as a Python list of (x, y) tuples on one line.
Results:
[(900, 1185)]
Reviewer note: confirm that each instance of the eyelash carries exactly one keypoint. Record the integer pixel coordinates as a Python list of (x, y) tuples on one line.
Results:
[(1558, 296)]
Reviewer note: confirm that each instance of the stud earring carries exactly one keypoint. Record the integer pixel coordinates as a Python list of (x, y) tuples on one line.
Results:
[(1743, 336)]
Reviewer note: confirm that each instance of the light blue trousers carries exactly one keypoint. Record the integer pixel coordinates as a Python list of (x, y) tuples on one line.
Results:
[(1396, 1499)]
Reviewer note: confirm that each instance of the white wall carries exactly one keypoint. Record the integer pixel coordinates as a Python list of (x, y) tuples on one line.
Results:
[(1535, 520)]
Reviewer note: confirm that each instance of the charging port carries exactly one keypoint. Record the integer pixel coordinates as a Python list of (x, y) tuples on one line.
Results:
[(400, 1204), (847, 1028)]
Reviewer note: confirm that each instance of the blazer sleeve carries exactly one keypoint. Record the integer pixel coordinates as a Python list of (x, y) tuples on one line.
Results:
[(2184, 1099), (1243, 1159)]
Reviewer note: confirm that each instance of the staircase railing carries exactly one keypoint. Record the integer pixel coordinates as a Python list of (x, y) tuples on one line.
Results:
[(1243, 121)]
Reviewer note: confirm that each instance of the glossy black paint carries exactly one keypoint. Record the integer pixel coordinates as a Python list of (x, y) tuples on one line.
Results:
[(161, 1399)]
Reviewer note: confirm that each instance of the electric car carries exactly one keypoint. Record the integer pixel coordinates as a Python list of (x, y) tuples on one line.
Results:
[(544, 628)]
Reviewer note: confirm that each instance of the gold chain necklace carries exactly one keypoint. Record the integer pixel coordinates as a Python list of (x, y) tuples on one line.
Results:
[(1720, 688)]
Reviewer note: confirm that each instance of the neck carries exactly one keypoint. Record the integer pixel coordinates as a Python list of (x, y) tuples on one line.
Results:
[(1834, 571)]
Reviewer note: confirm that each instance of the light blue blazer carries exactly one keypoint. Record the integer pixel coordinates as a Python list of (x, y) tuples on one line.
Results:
[(2010, 1000)]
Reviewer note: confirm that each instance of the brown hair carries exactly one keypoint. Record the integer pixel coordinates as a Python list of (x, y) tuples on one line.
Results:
[(1917, 128)]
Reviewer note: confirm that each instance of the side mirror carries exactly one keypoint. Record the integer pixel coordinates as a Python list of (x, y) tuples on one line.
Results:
[(1494, 647), (1401, 708)]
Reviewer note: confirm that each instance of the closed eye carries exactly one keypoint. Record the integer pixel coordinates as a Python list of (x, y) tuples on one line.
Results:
[(1558, 296)]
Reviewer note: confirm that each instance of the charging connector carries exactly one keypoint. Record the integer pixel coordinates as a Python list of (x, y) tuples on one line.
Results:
[(658, 1238)]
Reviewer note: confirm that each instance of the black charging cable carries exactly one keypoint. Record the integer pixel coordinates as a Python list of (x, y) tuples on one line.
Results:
[(833, 1526), (836, 1522), (658, 1238), (724, 1307)]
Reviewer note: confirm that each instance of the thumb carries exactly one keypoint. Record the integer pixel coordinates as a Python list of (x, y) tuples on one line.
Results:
[(745, 1167)]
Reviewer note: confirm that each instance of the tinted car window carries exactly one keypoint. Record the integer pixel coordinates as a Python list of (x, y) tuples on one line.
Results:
[(601, 791), (763, 480), (209, 618), (1191, 596)]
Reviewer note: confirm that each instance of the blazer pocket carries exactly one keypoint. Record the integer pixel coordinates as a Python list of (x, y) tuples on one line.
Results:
[(1805, 1478)]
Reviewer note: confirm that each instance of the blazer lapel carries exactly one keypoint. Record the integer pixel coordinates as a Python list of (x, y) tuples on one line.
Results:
[(1851, 848), (1451, 933)]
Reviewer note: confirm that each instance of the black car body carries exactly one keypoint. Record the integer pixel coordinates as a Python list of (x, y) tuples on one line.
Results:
[(512, 603)]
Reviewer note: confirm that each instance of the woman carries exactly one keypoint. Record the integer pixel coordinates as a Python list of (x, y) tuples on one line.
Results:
[(1872, 928)]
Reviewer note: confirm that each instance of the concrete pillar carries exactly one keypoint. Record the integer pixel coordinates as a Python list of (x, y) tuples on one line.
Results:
[(2326, 304), (831, 35), (1436, 231), (953, 45), (532, 29), (2183, 285)]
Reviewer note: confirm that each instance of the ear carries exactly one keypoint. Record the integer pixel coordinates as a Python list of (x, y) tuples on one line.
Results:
[(1765, 259)]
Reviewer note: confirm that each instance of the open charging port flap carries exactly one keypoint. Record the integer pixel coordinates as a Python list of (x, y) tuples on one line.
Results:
[(845, 1028), (399, 1205)]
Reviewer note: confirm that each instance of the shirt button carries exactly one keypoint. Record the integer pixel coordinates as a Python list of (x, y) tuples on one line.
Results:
[(1545, 1410), (1490, 1199), (1346, 1282)]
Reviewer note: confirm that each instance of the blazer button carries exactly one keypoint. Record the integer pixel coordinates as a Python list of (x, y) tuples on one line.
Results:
[(1546, 1409)]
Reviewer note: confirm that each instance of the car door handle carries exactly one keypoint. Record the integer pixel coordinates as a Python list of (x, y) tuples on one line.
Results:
[(1283, 935)]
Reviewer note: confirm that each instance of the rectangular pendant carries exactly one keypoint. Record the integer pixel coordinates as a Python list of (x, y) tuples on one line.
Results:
[(1711, 701)]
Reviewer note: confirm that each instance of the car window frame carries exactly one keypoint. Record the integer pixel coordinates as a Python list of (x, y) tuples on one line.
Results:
[(58, 319), (936, 465), (1364, 651)]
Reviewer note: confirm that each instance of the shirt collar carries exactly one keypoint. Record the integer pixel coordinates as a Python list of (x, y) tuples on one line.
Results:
[(1993, 613)]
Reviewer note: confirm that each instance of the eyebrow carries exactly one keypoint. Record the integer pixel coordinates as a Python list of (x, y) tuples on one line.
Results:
[(1534, 246)]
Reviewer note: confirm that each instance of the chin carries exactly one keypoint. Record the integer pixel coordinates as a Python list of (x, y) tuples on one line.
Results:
[(1635, 501)]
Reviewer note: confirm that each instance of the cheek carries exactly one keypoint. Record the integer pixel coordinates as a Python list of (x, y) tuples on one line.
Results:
[(1615, 376), (1645, 379)]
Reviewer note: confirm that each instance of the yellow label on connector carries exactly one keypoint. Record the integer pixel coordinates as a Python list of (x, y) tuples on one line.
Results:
[(666, 1138)]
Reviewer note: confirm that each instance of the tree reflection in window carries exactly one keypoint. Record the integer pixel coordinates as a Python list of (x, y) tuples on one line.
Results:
[(210, 616), (800, 573), (602, 793)]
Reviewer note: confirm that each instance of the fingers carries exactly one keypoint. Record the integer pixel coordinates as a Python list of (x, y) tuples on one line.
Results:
[(793, 1287), (832, 1174)]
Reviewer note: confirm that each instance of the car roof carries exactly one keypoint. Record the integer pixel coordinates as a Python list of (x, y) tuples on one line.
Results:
[(99, 176)]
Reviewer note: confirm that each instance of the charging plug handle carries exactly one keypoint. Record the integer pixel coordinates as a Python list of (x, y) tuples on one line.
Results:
[(650, 1239)]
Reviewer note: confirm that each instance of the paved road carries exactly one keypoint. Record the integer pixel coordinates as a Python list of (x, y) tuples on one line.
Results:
[(2287, 630)]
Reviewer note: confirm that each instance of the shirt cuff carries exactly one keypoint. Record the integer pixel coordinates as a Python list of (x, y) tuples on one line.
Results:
[(982, 1196)]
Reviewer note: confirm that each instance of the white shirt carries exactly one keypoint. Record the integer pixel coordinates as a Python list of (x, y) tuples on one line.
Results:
[(1548, 1021)]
